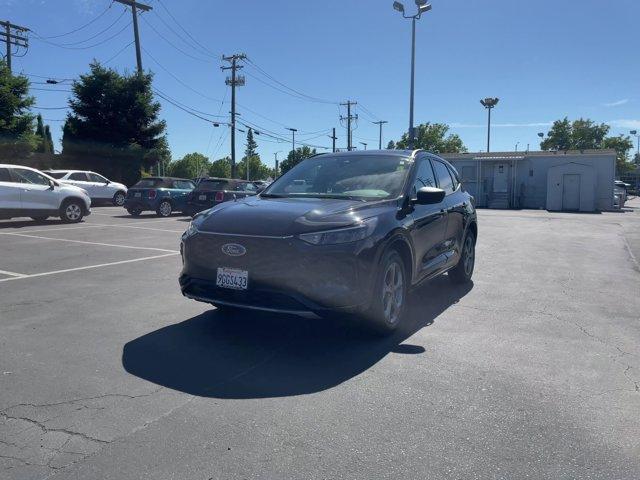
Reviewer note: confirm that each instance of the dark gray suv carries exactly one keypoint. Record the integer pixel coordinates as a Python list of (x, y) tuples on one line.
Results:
[(344, 232)]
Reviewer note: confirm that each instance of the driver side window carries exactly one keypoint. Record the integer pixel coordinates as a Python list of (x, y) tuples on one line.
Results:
[(424, 177), (29, 176)]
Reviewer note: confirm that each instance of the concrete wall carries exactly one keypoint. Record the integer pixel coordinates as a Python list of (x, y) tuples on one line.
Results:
[(529, 176)]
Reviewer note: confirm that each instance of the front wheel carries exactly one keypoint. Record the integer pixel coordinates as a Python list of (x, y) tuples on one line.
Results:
[(119, 198), (463, 271), (390, 295), (71, 211), (164, 209)]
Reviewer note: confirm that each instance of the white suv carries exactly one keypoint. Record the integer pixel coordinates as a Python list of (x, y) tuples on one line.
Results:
[(27, 192), (100, 188)]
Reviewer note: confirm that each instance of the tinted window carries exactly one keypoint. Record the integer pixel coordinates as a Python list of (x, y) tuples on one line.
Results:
[(148, 183), (94, 177), (78, 176), (213, 185), (246, 187), (424, 177), (183, 185), (29, 176), (454, 176), (5, 176), (445, 181), (57, 175), (360, 176)]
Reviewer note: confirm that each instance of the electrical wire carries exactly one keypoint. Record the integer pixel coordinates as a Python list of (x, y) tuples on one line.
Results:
[(200, 59), (185, 109), (187, 43), (81, 27), (368, 112), (48, 108), (308, 97), (118, 53), (95, 35), (88, 46), (205, 49)]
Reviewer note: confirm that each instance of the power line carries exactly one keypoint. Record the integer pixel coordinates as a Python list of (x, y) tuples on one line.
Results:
[(205, 49), (308, 97), (48, 108), (87, 47), (81, 27), (106, 62), (172, 44), (91, 37)]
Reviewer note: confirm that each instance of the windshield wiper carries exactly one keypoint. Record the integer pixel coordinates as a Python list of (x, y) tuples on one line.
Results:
[(331, 196), (273, 195)]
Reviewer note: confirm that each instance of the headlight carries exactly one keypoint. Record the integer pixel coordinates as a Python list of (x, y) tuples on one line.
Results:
[(341, 235), (192, 229)]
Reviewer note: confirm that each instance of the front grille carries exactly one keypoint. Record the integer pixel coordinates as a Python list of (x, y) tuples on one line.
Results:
[(254, 297)]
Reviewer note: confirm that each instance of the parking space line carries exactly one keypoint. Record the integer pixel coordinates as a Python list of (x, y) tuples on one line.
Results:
[(12, 274), (56, 229), (89, 267), (89, 243), (141, 228)]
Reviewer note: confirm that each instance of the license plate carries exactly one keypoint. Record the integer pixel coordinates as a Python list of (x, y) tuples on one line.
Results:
[(202, 197), (137, 194), (232, 278)]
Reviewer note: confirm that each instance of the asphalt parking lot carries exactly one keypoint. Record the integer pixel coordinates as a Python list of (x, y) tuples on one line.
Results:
[(107, 372)]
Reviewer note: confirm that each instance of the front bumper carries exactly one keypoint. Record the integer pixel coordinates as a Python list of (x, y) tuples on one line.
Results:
[(285, 274)]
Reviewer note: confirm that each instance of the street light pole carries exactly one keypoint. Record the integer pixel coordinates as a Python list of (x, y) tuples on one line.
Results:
[(489, 103), (635, 134), (364, 144), (293, 139), (423, 7)]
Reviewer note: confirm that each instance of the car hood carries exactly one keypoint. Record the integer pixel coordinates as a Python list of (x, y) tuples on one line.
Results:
[(72, 188), (287, 216)]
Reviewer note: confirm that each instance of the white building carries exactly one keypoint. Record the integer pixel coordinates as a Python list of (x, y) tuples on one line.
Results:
[(571, 181)]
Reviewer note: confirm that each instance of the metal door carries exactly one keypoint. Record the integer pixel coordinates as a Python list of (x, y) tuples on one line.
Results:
[(500, 178), (571, 192)]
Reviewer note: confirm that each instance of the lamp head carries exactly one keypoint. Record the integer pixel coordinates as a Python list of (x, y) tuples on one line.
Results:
[(423, 8), (398, 7), (633, 132)]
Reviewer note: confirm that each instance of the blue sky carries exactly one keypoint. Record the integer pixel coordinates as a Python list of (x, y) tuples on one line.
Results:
[(544, 59)]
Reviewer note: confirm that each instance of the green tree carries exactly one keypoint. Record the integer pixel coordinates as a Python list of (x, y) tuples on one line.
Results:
[(16, 122), (433, 137), (43, 134), (113, 126), (252, 145), (221, 168), (585, 134), (257, 169), (192, 165), (621, 144), (391, 145), (295, 157)]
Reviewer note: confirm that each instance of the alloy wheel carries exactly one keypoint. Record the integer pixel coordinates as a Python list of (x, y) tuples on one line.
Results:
[(392, 293), (469, 256), (119, 200), (165, 209), (73, 212)]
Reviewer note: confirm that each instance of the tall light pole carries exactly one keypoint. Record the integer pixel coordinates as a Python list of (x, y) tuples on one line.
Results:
[(293, 139), (517, 143), (489, 103), (275, 172), (635, 134), (423, 7), (364, 144)]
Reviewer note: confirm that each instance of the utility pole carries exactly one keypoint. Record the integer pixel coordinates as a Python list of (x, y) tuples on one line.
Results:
[(334, 138), (134, 11), (293, 140), (234, 80), (15, 38), (380, 123), (349, 118)]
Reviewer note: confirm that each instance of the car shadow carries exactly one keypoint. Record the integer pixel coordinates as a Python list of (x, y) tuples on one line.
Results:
[(32, 223), (246, 354)]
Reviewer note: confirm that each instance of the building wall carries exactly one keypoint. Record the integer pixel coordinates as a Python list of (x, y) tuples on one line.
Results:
[(529, 175)]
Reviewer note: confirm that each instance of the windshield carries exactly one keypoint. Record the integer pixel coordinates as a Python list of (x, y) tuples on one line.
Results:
[(148, 183), (365, 177), (57, 175)]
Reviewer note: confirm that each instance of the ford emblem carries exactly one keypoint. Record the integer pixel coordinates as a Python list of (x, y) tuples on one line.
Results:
[(233, 250)]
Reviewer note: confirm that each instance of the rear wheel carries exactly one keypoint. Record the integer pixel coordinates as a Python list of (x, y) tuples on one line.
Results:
[(119, 198), (39, 219), (390, 294), (463, 272), (71, 211), (164, 209)]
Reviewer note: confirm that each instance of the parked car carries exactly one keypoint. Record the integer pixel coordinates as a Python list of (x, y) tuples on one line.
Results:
[(27, 192), (210, 192), (100, 188), (164, 195), (347, 232)]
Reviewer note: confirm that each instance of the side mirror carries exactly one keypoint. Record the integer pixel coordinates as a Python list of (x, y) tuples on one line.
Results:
[(52, 184), (429, 196)]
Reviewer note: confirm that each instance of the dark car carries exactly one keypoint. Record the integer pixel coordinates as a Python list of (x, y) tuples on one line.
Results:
[(209, 192), (350, 232), (164, 195)]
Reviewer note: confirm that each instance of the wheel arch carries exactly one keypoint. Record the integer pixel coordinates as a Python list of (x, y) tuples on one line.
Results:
[(70, 198), (402, 245)]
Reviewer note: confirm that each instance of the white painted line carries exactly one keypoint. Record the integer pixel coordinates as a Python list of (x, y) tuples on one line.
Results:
[(122, 262), (90, 243), (55, 229), (12, 274), (141, 228)]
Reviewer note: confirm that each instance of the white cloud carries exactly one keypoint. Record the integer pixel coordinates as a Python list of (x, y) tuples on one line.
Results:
[(501, 125), (617, 103), (625, 123)]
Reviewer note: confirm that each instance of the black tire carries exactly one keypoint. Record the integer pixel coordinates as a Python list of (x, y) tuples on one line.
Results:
[(40, 219), (165, 209), (387, 309), (463, 271), (119, 198), (134, 212), (72, 211)]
